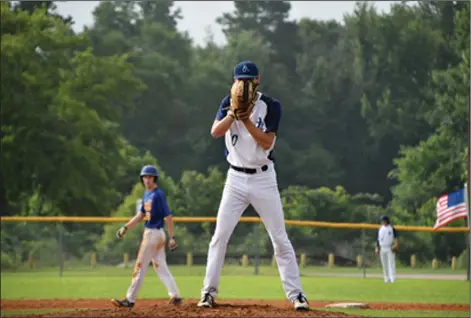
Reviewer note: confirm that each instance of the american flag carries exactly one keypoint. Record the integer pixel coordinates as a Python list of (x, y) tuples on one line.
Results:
[(450, 207)]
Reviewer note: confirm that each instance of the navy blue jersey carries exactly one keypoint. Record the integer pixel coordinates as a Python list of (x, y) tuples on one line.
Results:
[(155, 208)]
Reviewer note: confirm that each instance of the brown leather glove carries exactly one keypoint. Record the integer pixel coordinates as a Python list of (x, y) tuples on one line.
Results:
[(172, 244), (243, 97)]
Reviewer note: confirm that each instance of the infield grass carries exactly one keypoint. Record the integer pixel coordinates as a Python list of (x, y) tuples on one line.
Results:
[(240, 283), (236, 283)]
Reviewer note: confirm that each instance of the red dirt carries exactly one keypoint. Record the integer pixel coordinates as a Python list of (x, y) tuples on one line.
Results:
[(232, 308)]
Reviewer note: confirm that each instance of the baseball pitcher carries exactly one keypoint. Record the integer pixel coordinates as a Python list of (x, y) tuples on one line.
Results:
[(249, 121), (386, 247), (154, 210)]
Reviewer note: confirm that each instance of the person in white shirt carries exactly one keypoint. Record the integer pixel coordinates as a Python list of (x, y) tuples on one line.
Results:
[(386, 247), (251, 179)]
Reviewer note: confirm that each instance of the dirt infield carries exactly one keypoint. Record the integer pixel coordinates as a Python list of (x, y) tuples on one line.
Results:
[(232, 308)]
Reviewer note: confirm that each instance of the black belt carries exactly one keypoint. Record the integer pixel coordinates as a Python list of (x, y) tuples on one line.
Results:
[(248, 170)]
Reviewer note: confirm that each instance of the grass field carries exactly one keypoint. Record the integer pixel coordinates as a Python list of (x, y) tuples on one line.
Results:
[(198, 270), (113, 282)]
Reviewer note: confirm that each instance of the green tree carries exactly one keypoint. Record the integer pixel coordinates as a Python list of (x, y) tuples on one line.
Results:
[(63, 108), (161, 58), (437, 165)]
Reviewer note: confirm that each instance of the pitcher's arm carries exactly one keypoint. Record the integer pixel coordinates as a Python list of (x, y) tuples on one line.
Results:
[(220, 127)]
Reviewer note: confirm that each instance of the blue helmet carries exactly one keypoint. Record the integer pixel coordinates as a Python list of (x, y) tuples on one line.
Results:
[(384, 218), (150, 170)]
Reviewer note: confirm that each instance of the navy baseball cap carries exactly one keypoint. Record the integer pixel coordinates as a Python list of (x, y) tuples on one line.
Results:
[(246, 69)]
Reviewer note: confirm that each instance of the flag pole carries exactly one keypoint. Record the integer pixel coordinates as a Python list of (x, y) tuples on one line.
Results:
[(468, 190), (468, 240)]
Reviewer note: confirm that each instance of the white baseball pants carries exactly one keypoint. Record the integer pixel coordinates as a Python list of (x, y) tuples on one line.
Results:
[(388, 262), (152, 249), (260, 190)]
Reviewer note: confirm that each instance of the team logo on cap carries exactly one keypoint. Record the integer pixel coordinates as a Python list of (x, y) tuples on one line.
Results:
[(245, 69)]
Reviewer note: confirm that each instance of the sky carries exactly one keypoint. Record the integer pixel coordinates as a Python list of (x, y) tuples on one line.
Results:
[(199, 16)]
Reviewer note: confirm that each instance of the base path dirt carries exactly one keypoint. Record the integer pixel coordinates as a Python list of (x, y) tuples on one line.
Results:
[(229, 308)]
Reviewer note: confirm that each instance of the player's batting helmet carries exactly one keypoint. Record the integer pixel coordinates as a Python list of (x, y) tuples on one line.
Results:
[(384, 218), (149, 170)]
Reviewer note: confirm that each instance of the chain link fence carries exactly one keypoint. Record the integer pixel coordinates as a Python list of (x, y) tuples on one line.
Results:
[(72, 246)]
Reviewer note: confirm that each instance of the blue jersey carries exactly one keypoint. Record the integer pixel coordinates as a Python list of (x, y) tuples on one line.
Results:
[(155, 208)]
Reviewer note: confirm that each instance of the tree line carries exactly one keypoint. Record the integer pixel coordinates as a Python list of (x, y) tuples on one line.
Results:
[(374, 115)]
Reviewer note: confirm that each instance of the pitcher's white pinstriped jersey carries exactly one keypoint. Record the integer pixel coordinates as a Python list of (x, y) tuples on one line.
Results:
[(241, 148)]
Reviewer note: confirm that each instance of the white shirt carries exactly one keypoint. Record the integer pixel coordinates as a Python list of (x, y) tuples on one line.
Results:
[(386, 236), (241, 148)]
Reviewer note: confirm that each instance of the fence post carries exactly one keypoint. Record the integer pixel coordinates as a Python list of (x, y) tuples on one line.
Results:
[(61, 249), (126, 260), (435, 263), (331, 260), (257, 248), (93, 260), (245, 260), (302, 260), (363, 252), (189, 259), (30, 260), (413, 261), (453, 263), (359, 261)]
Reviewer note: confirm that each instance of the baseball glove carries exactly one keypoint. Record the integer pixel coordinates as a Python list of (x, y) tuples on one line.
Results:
[(395, 249), (243, 96)]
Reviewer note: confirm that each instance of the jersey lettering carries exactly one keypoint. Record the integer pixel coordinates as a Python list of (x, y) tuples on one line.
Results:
[(259, 123), (148, 206), (155, 209), (234, 139)]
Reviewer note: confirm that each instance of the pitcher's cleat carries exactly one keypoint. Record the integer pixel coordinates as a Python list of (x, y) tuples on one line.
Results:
[(206, 301), (175, 301), (300, 303), (122, 303)]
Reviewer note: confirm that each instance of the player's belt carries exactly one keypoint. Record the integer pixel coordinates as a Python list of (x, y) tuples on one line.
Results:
[(248, 170)]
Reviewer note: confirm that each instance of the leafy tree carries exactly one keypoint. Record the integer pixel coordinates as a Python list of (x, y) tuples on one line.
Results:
[(62, 108), (161, 59), (438, 164)]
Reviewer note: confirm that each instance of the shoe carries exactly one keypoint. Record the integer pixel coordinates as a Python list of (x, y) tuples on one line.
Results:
[(122, 303), (300, 303), (206, 301), (175, 301)]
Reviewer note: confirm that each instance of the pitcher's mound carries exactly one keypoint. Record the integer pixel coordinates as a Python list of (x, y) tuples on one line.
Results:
[(223, 309)]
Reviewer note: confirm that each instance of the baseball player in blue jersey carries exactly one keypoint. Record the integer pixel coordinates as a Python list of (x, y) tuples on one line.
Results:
[(249, 121), (386, 247), (154, 211)]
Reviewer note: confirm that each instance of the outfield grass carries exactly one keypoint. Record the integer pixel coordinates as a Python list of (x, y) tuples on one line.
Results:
[(198, 270), (113, 282)]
